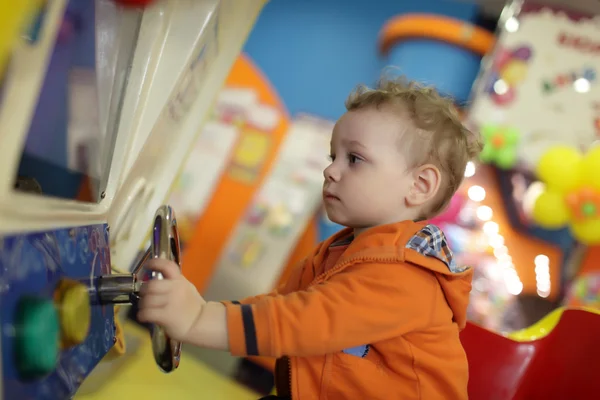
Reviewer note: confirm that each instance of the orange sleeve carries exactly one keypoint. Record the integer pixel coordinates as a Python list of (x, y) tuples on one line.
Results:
[(365, 303)]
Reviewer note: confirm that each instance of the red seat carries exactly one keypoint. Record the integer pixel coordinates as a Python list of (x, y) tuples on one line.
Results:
[(560, 365)]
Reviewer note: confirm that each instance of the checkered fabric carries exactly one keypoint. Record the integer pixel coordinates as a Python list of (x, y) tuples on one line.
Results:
[(431, 242)]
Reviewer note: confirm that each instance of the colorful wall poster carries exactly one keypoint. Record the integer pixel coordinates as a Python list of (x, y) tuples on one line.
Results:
[(226, 142), (255, 122), (286, 201)]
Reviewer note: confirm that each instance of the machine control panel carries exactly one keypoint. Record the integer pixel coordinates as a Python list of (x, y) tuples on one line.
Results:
[(54, 330)]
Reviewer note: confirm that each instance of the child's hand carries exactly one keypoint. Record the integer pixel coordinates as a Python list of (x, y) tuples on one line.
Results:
[(172, 302)]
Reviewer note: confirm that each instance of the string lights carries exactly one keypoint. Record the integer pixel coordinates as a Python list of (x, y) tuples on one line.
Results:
[(491, 229)]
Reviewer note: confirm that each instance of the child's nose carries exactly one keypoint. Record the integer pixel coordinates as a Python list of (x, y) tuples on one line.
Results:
[(331, 173)]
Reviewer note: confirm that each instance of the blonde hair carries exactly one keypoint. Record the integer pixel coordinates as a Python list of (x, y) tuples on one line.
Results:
[(441, 138)]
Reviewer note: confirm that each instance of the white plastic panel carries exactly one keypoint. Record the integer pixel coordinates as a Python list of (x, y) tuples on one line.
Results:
[(116, 36), (202, 40), (176, 52)]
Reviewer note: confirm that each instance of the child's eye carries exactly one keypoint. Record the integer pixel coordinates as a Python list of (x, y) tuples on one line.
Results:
[(331, 157), (353, 159)]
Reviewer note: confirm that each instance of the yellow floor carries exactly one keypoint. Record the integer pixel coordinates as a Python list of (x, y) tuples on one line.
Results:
[(136, 376)]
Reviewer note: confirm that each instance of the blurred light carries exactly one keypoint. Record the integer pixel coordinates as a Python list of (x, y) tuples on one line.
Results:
[(543, 285), (500, 252), (582, 85), (511, 25), (510, 273), (541, 259), (484, 213), (542, 275), (505, 261), (480, 244), (470, 169), (491, 228), (500, 87), (514, 287), (497, 241), (476, 193), (543, 293)]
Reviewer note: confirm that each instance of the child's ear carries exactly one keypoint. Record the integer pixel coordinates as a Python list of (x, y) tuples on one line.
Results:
[(426, 183)]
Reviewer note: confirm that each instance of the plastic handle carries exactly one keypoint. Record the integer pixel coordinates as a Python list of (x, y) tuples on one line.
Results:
[(165, 244)]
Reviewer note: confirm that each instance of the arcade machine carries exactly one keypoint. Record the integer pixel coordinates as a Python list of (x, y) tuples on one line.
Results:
[(536, 104), (99, 102)]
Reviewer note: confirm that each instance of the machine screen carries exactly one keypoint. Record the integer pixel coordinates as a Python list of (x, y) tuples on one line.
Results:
[(68, 149)]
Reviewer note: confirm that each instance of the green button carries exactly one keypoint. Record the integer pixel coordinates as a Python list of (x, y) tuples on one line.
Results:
[(37, 337)]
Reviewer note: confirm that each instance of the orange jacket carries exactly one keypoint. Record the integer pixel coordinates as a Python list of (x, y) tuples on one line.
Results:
[(382, 323)]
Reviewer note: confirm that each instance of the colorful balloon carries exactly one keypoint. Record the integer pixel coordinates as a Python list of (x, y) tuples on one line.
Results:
[(506, 158), (559, 167), (550, 210), (499, 145), (587, 231), (572, 194)]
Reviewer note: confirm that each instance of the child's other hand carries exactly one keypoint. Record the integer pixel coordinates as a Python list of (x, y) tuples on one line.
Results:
[(172, 302)]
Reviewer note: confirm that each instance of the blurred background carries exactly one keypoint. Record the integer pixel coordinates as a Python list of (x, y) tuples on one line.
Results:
[(248, 194)]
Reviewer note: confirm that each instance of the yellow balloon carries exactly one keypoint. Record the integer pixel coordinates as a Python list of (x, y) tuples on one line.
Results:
[(550, 210), (587, 232), (514, 72), (560, 168), (590, 168)]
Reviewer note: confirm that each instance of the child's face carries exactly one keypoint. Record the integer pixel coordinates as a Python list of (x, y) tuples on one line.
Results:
[(368, 180)]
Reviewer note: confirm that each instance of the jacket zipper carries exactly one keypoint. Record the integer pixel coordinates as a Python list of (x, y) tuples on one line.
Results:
[(289, 363)]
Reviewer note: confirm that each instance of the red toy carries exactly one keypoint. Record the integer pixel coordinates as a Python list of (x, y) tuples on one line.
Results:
[(558, 366)]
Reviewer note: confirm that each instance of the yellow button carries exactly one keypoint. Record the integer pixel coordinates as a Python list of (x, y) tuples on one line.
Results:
[(75, 312)]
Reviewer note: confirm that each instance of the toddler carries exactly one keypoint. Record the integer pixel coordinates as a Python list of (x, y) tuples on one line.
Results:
[(375, 311)]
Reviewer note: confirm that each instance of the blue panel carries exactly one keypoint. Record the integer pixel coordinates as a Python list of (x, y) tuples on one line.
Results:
[(451, 69), (315, 51), (33, 264)]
